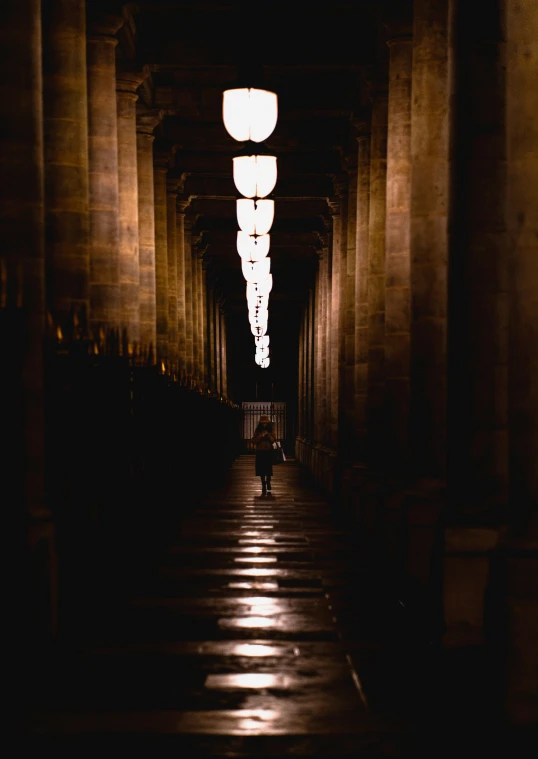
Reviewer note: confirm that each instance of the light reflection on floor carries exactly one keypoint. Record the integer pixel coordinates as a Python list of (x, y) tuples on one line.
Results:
[(256, 572), (253, 585), (247, 531), (259, 540), (256, 680), (255, 649), (256, 559), (246, 622)]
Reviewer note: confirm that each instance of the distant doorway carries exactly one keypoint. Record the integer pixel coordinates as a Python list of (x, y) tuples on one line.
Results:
[(252, 410)]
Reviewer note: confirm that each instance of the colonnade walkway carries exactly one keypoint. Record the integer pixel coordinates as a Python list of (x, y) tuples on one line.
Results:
[(255, 636)]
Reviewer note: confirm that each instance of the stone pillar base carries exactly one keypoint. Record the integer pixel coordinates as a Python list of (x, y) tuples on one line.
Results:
[(466, 577), (512, 628)]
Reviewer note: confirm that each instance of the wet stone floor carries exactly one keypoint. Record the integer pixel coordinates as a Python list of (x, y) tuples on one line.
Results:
[(236, 645)]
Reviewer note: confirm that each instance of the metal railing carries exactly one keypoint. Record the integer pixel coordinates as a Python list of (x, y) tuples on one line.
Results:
[(252, 410)]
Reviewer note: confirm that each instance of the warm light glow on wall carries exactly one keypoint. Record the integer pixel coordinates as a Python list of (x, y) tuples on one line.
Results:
[(249, 114)]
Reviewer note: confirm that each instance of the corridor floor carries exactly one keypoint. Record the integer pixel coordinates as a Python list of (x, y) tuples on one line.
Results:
[(237, 645)]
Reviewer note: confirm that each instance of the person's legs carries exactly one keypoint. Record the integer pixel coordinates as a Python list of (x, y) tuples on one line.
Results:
[(262, 478), (268, 483)]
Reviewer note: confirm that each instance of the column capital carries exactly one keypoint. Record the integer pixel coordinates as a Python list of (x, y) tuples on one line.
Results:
[(397, 19), (104, 26), (361, 121), (340, 183), (128, 80), (147, 120), (350, 161), (172, 187), (182, 205), (323, 242), (334, 205), (377, 81), (402, 38)]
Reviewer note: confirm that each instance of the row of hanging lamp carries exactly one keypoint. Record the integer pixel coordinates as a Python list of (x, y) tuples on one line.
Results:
[(250, 115)]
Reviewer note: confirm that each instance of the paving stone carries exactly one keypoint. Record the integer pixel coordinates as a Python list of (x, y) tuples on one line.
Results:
[(232, 645)]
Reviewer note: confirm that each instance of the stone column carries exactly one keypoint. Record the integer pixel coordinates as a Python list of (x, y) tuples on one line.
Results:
[(224, 341), (397, 256), (376, 276), (317, 355), (350, 306), (218, 340), (171, 228), (211, 338), (181, 321), (361, 292), (201, 319), (334, 343), (301, 373), (205, 328), (189, 320), (146, 231), (341, 190), (103, 174), (306, 366), (521, 581), (200, 300), (195, 314), (65, 125), (160, 169), (522, 221), (430, 118), (323, 344), (311, 363), (127, 83), (22, 275)]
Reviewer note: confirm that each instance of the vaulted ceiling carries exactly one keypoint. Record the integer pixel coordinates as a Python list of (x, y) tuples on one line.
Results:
[(317, 58), (314, 57)]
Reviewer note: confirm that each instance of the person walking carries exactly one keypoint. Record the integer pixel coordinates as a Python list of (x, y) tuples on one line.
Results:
[(263, 439)]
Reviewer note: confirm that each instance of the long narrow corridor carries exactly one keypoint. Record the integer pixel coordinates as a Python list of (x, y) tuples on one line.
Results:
[(237, 644)]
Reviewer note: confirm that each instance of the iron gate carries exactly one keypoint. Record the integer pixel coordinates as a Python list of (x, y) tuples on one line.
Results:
[(252, 410)]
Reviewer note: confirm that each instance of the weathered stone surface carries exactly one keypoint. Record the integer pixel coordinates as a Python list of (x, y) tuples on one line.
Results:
[(105, 299)]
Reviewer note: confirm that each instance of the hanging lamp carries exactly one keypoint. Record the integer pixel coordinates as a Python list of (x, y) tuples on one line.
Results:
[(255, 175), (249, 113), (255, 217), (257, 271), (252, 248)]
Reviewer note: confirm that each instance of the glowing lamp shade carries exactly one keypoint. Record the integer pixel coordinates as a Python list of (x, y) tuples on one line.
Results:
[(258, 318), (262, 361), (258, 301), (260, 288), (258, 331), (262, 342), (252, 248), (255, 217), (256, 271), (255, 175), (249, 114), (262, 352)]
